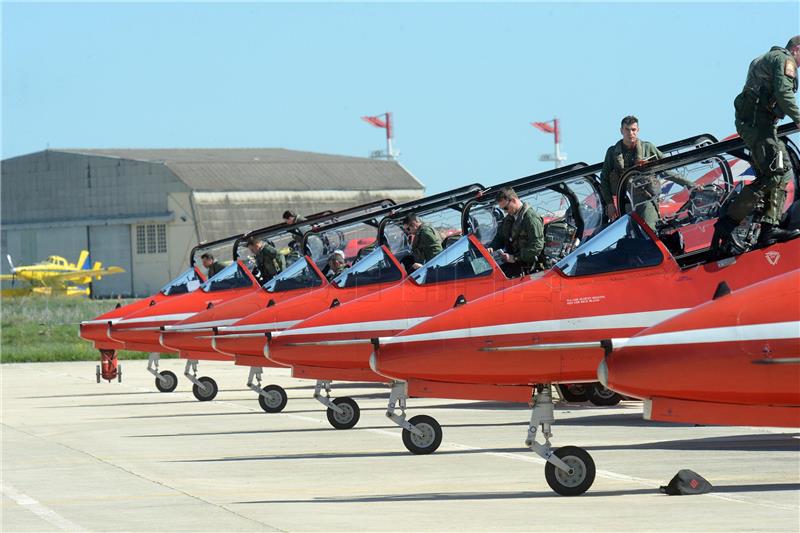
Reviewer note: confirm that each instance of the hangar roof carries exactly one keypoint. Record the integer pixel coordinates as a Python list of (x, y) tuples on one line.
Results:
[(248, 169)]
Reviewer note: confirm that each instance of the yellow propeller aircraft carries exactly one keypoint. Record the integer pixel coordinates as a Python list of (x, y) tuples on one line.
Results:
[(56, 275)]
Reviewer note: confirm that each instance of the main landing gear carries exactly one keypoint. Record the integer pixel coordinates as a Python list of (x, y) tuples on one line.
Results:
[(271, 398), (601, 396), (166, 381), (343, 413), (422, 434)]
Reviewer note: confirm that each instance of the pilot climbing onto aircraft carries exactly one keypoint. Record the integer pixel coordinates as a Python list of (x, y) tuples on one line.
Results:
[(767, 97), (268, 260), (626, 153), (427, 242), (212, 265), (520, 238)]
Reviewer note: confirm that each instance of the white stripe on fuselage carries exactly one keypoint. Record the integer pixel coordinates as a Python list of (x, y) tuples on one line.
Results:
[(209, 324), (752, 332), (106, 321), (625, 320), (378, 325), (157, 318), (266, 326)]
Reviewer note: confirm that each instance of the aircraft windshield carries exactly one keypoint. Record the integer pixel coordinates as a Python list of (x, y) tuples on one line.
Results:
[(377, 267), (231, 277), (622, 246), (300, 275), (461, 260), (187, 281)]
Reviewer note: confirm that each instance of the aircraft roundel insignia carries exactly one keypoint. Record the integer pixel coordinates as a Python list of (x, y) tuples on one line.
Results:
[(773, 257)]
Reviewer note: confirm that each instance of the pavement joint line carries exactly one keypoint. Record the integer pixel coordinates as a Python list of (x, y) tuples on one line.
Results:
[(39, 509), (606, 474)]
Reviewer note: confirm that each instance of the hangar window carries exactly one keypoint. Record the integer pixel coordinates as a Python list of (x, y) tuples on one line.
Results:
[(151, 239)]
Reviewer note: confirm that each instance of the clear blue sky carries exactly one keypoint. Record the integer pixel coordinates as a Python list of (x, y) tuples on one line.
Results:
[(463, 80)]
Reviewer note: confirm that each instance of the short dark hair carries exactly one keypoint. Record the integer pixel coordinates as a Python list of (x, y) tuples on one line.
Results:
[(289, 214), (252, 240), (628, 121), (409, 218), (507, 193), (207, 255)]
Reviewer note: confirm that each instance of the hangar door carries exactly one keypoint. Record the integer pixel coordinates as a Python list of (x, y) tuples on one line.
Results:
[(112, 246)]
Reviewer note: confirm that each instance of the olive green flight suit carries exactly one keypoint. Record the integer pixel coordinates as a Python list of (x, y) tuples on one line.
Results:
[(767, 97), (523, 237), (269, 261), (646, 189), (215, 268), (427, 243)]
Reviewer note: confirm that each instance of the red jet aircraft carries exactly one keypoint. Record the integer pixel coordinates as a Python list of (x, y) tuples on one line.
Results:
[(547, 330), (734, 360), (192, 336), (335, 344), (138, 327)]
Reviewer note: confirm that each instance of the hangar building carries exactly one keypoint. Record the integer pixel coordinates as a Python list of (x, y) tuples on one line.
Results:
[(145, 209)]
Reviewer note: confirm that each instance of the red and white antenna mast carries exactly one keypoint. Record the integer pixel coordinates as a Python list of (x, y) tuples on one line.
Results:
[(383, 121), (551, 127)]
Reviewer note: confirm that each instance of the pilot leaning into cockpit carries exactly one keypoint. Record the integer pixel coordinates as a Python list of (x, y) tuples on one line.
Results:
[(427, 241), (520, 237), (268, 260), (212, 265)]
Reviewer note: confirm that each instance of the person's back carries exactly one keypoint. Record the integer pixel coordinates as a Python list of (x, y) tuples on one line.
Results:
[(427, 244)]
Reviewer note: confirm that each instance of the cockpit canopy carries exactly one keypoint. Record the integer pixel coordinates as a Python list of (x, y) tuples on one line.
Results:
[(376, 267), (232, 276), (298, 275), (187, 281), (621, 246), (460, 260)]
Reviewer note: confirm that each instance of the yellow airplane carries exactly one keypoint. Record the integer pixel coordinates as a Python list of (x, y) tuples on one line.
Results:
[(56, 275)]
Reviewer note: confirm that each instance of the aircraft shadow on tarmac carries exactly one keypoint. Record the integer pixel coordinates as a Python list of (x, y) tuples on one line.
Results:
[(752, 443), (111, 394), (461, 496), (311, 430)]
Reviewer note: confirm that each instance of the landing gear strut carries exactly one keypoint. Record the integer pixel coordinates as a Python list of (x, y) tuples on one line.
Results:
[(343, 413), (422, 434), (205, 388), (271, 398), (166, 381), (569, 470)]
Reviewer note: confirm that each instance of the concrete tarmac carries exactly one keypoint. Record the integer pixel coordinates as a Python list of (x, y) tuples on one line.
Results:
[(78, 456)]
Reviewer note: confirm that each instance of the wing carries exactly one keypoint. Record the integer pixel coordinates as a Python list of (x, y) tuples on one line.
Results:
[(83, 274)]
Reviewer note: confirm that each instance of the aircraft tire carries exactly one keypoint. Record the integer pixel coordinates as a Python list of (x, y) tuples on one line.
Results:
[(429, 442), (602, 396), (168, 383), (119, 373), (275, 399), (573, 392), (582, 477), (346, 419), (208, 394)]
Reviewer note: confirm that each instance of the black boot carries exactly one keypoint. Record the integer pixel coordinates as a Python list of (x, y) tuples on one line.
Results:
[(723, 229), (770, 234)]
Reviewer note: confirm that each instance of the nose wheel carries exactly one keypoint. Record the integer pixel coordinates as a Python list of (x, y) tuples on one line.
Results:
[(205, 389), (578, 478), (347, 414), (427, 439), (166, 381), (272, 398)]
